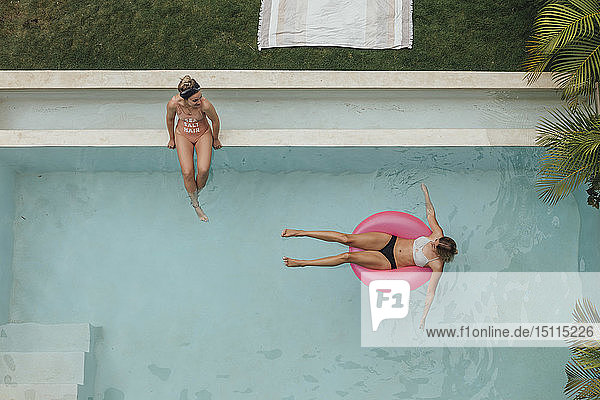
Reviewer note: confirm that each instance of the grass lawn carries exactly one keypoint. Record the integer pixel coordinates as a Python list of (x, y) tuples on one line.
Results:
[(480, 35)]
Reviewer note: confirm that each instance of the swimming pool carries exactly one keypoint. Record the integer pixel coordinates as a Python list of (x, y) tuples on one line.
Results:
[(207, 311)]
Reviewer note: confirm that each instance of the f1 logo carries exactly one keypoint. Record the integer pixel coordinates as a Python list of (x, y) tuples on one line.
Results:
[(389, 300)]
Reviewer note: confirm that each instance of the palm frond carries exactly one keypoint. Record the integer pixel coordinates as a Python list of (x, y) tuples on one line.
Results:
[(582, 383), (556, 184), (572, 157), (558, 24), (585, 313), (577, 69), (586, 355), (583, 370), (566, 41), (587, 6), (562, 121)]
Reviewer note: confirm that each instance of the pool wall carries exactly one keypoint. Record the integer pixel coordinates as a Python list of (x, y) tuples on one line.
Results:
[(7, 213)]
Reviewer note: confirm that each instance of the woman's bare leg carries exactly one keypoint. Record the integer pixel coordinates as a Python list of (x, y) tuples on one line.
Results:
[(367, 259), (365, 241), (204, 152), (185, 153)]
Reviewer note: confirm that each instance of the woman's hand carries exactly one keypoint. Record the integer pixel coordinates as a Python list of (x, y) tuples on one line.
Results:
[(171, 144), (217, 144), (424, 188), (422, 324)]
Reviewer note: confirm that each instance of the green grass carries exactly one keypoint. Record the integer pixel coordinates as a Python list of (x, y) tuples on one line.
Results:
[(480, 35)]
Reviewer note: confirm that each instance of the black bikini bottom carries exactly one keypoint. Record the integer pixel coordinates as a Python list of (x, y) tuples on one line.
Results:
[(388, 251)]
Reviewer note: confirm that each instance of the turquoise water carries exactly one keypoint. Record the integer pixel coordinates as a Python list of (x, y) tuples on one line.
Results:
[(196, 311)]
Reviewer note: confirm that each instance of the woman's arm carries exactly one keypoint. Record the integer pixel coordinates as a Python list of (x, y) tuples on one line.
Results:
[(171, 110), (433, 282), (211, 113), (433, 224)]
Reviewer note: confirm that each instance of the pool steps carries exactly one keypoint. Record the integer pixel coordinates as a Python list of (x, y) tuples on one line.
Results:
[(39, 392), (43, 367), (277, 137), (32, 337), (46, 362)]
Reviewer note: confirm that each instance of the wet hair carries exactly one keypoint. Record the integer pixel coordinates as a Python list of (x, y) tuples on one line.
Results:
[(188, 87), (446, 249)]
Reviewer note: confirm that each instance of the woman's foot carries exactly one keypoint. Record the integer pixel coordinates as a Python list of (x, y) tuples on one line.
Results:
[(196, 205), (291, 262), (203, 217), (290, 232)]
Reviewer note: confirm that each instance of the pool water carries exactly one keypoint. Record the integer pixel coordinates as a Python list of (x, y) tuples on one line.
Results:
[(197, 311)]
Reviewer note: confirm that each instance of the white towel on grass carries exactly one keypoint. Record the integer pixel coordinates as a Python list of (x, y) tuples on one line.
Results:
[(363, 24)]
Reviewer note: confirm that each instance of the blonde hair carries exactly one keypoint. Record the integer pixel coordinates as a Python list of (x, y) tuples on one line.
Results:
[(446, 249), (187, 82)]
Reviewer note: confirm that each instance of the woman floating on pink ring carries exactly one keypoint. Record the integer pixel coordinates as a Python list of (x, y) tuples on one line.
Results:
[(383, 251), (193, 132)]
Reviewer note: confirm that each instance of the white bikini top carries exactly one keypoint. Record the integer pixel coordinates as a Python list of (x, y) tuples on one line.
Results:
[(418, 254)]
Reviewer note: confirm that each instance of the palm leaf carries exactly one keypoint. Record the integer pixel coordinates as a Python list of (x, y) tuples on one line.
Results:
[(577, 68), (582, 383), (586, 352), (583, 371), (587, 357), (566, 41), (572, 157), (566, 120), (558, 24)]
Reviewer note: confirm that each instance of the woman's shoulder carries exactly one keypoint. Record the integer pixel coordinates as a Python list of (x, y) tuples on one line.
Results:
[(206, 104), (436, 265), (175, 101)]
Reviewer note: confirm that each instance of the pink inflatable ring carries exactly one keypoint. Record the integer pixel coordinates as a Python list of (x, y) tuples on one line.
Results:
[(399, 224)]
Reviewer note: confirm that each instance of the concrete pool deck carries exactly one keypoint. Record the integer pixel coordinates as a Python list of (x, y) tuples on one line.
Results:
[(266, 79), (485, 88)]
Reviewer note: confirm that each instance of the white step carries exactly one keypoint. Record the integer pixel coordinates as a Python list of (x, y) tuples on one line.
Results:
[(277, 137), (38, 392), (42, 367), (32, 337)]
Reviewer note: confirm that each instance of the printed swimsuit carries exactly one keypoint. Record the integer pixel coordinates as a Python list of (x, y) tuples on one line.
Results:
[(191, 125)]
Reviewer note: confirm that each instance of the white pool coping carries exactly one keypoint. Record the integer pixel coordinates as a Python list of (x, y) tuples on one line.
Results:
[(277, 137), (269, 79)]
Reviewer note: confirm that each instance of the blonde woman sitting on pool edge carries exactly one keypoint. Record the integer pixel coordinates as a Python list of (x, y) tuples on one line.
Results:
[(383, 251), (193, 132)]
